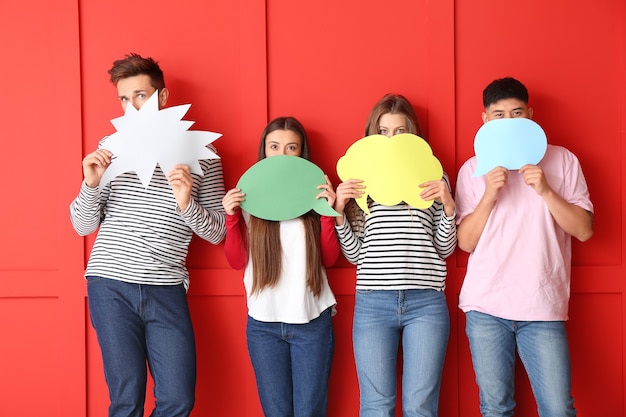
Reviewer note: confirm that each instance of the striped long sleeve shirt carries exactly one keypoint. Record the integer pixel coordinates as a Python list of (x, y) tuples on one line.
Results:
[(143, 236), (400, 247)]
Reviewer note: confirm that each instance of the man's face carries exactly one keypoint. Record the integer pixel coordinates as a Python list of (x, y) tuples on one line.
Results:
[(507, 108), (137, 90)]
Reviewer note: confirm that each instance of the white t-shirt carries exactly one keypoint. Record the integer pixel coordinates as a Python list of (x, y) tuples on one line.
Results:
[(290, 300)]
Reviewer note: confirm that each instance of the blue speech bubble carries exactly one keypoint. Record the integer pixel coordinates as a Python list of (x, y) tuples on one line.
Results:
[(509, 143)]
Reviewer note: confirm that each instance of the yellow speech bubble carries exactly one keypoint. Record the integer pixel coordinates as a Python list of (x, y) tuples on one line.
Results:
[(391, 169)]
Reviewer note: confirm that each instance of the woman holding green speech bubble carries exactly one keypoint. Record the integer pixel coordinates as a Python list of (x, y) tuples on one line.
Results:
[(289, 330), (400, 255)]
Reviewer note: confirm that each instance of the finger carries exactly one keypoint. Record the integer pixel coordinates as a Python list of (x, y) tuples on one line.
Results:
[(182, 167)]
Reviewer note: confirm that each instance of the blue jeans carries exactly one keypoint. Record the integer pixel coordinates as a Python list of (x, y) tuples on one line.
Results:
[(292, 365), (542, 347), (136, 324), (383, 318)]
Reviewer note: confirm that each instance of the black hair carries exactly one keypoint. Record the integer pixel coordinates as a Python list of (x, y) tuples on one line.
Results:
[(504, 88)]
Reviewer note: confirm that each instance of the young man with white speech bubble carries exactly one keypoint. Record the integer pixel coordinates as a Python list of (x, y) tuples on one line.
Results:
[(136, 275)]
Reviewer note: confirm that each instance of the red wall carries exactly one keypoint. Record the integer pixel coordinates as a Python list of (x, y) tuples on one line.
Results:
[(326, 62)]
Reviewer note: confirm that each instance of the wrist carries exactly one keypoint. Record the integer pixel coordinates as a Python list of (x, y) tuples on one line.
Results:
[(92, 184)]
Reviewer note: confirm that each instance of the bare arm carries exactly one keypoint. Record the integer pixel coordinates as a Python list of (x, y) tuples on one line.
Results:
[(573, 219), (472, 226)]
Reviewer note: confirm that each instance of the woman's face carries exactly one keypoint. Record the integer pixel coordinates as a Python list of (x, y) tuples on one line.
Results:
[(391, 124), (283, 142)]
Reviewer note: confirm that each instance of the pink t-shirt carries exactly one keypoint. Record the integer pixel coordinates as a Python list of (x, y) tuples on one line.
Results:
[(520, 269)]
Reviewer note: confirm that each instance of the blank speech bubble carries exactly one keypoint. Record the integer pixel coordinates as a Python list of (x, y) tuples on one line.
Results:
[(283, 187), (391, 169), (509, 143)]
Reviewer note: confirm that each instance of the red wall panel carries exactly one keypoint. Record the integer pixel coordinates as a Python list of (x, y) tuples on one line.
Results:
[(213, 58), (41, 323), (240, 63)]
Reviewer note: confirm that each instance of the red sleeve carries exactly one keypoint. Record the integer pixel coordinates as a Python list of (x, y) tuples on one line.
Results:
[(235, 247), (329, 242)]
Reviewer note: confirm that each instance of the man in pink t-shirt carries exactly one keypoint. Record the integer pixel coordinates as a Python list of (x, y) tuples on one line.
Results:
[(517, 226)]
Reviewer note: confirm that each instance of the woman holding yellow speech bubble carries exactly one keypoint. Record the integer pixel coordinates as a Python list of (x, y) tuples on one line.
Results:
[(290, 304), (400, 255)]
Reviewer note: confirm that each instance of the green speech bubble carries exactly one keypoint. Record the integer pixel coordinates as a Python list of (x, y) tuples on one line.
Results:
[(283, 187), (391, 169)]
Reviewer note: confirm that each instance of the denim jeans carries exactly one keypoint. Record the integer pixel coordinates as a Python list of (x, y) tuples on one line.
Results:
[(292, 365), (544, 352), (136, 324), (383, 318)]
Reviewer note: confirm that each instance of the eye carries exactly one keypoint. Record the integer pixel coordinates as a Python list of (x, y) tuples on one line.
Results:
[(123, 99), (383, 131), (273, 146), (141, 95), (399, 130)]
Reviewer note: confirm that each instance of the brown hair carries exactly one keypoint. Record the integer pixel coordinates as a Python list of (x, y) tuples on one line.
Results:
[(134, 64), (285, 123), (390, 103), (264, 237), (395, 104)]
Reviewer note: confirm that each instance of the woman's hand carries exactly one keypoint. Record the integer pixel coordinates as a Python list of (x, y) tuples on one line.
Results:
[(232, 201), (438, 190), (328, 192), (351, 188)]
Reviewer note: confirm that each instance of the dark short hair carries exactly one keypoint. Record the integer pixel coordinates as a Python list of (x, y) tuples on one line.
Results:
[(285, 123), (504, 88), (134, 64)]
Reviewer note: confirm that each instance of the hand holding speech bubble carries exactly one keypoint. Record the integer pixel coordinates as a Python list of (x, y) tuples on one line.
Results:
[(509, 143), (283, 187), (391, 169), (151, 136)]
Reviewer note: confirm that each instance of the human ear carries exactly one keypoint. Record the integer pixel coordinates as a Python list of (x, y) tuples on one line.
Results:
[(163, 95)]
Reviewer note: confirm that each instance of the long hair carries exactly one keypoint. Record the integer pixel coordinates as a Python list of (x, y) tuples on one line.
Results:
[(390, 103), (264, 237)]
